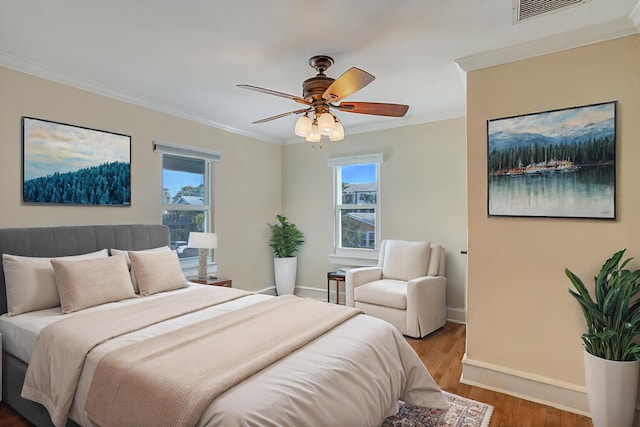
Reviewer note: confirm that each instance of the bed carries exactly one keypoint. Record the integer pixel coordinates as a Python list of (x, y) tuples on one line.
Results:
[(351, 372)]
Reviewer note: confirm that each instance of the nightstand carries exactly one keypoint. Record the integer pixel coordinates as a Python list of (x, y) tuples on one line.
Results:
[(219, 281), (337, 277)]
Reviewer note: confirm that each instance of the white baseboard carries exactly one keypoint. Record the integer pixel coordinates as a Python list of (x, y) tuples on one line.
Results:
[(539, 389), (269, 290), (315, 293), (547, 391), (457, 315)]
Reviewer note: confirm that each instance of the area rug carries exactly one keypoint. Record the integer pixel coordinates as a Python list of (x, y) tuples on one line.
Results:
[(462, 412)]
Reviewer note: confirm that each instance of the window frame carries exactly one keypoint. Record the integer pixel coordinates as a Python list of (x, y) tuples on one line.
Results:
[(354, 256), (208, 157)]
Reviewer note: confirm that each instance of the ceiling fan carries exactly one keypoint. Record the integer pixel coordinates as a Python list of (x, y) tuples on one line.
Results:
[(319, 95)]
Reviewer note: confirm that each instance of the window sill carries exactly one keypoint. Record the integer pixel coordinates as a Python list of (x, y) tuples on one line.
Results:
[(352, 260)]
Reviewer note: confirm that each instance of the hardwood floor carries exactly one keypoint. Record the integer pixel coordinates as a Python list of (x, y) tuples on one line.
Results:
[(442, 354)]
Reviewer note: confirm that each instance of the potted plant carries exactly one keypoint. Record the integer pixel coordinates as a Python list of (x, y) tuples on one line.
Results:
[(611, 357), (285, 240)]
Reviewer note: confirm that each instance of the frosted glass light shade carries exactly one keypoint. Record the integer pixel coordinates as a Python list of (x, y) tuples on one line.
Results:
[(337, 134), (315, 134), (303, 126), (326, 123), (202, 240)]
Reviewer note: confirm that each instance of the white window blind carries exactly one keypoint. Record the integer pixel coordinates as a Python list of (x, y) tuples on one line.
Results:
[(354, 160), (186, 151)]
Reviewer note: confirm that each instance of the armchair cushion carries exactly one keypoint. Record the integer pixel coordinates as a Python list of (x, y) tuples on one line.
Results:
[(385, 292), (404, 260), (433, 268)]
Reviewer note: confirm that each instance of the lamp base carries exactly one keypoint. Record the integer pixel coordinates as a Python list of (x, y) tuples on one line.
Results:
[(202, 264)]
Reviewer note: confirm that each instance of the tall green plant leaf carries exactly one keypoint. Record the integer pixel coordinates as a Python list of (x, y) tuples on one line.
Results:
[(612, 315)]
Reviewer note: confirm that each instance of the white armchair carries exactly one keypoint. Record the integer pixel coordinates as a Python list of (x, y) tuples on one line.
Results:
[(407, 288)]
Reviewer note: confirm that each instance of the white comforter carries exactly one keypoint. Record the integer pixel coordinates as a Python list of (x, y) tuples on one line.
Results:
[(353, 375)]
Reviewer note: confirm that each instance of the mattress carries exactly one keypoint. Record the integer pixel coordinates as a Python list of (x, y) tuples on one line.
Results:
[(353, 375), (20, 332)]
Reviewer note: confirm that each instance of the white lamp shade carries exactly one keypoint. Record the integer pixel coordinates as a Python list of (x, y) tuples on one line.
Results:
[(203, 240), (337, 134), (315, 135), (303, 126), (325, 123)]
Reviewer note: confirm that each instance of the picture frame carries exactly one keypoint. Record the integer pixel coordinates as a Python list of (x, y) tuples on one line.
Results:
[(64, 164), (556, 164)]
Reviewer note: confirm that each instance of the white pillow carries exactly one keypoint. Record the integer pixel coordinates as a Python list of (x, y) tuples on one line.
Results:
[(405, 260), (31, 282), (126, 254), (157, 271), (90, 282)]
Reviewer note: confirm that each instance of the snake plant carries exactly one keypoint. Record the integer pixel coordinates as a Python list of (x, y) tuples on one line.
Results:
[(613, 316)]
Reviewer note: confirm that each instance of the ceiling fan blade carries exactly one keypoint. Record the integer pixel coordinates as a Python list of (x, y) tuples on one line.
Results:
[(276, 93), (268, 119), (349, 82), (375, 108)]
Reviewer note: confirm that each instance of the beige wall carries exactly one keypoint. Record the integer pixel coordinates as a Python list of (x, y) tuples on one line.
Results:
[(520, 316), (423, 187), (246, 182)]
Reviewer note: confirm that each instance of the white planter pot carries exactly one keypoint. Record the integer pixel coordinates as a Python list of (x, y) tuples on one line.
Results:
[(285, 273), (612, 388)]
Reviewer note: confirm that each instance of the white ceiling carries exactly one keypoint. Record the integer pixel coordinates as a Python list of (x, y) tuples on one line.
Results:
[(184, 57)]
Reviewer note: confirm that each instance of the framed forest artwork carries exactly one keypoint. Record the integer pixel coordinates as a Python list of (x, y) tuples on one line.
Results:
[(559, 163), (66, 164)]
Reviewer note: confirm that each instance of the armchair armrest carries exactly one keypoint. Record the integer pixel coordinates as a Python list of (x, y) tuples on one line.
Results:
[(426, 304), (359, 276)]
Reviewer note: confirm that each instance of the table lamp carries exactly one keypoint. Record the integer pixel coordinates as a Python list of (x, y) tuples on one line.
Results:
[(204, 242)]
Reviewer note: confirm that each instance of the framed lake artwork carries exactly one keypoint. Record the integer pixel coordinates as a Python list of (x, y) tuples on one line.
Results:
[(558, 164), (74, 165)]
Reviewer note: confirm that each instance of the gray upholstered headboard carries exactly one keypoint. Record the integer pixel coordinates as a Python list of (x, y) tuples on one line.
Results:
[(76, 240)]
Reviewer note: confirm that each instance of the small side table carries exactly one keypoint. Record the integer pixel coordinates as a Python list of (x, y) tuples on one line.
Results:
[(336, 277), (218, 281)]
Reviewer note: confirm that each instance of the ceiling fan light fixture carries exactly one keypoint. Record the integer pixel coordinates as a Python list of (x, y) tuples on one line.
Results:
[(337, 134), (303, 126), (326, 123), (315, 135), (321, 91)]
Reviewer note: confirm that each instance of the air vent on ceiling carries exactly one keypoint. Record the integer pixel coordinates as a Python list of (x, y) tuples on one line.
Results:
[(525, 9)]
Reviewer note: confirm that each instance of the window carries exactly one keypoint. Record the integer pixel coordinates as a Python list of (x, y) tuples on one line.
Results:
[(185, 201), (186, 193), (357, 191)]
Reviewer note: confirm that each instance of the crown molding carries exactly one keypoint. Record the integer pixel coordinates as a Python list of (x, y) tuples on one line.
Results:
[(559, 42), (59, 76), (581, 37), (53, 74)]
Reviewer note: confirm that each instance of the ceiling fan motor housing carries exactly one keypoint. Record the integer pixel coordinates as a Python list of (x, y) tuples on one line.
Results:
[(314, 87)]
